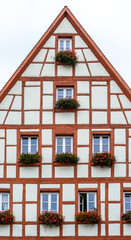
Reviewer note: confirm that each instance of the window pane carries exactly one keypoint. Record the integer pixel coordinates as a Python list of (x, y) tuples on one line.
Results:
[(59, 141), (4, 197), (96, 140), (105, 140), (68, 141), (44, 197), (105, 148), (25, 141), (24, 149), (68, 93), (59, 149), (91, 205), (68, 149), (4, 206), (33, 149), (61, 45), (67, 45), (33, 141), (53, 197), (60, 93), (91, 197), (54, 206), (127, 206), (44, 206), (96, 148), (127, 198)]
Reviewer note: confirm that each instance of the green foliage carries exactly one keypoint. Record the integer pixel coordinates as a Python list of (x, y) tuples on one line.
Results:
[(103, 159), (51, 219), (127, 216), (67, 158), (26, 158), (90, 217), (6, 217), (67, 57), (67, 103)]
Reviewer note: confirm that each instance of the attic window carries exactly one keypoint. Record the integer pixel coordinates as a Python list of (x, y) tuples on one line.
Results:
[(64, 44)]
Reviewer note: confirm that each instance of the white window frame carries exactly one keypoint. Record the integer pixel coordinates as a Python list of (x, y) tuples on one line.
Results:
[(95, 194), (64, 40), (124, 199), (29, 142), (1, 200), (101, 136), (64, 91), (49, 200), (64, 137)]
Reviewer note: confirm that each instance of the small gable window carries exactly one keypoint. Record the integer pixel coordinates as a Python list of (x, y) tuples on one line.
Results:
[(4, 201), (87, 201), (64, 93), (100, 143), (29, 144), (127, 201), (64, 44), (49, 202), (64, 144)]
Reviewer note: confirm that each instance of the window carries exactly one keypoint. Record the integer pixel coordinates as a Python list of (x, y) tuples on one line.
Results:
[(87, 201), (29, 144), (100, 143), (49, 202), (64, 93), (4, 201), (127, 201), (64, 44), (64, 144)]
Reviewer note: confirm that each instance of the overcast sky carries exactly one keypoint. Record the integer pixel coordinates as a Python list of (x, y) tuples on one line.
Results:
[(23, 22)]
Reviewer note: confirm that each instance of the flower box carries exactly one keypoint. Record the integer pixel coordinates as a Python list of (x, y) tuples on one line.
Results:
[(90, 217), (6, 217), (29, 159), (127, 217), (51, 219), (66, 158), (67, 103), (103, 159), (67, 57)]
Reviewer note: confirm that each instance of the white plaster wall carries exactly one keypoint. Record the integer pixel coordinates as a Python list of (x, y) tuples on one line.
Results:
[(129, 141), (114, 229), (83, 154), (17, 103), (69, 212), (32, 83), (103, 211), (97, 69), (40, 57), (47, 117), (87, 230), (13, 118), (102, 191), (17, 210), (49, 232), (5, 104), (65, 118), (48, 70), (120, 136), (114, 88), (11, 153), (11, 171), (114, 211), (2, 116), (127, 185), (31, 212), (64, 70), (51, 55), (84, 102), (81, 70), (99, 97), (83, 137), (99, 83), (128, 115), (114, 102), (17, 192), (1, 171), (49, 185), (127, 229), (87, 185), (97, 171), (120, 153), (47, 102), (2, 150), (11, 137), (33, 70), (4, 230), (68, 192), (47, 137), (83, 117), (46, 171), (79, 43), (30, 230), (69, 230), (65, 27), (89, 55), (82, 87), (47, 155), (48, 87), (64, 172), (79, 55), (17, 230), (82, 171), (118, 118), (31, 192), (129, 170), (125, 101), (114, 192), (99, 117), (32, 117), (17, 88), (29, 172), (50, 42), (32, 98), (2, 133), (5, 186), (103, 230)]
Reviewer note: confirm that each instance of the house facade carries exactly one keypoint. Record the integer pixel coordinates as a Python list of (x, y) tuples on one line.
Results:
[(30, 123)]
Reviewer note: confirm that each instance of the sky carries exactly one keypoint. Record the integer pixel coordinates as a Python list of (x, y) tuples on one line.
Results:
[(23, 22)]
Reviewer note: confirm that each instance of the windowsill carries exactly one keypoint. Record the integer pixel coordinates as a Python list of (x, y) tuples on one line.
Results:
[(125, 222), (65, 110), (29, 165), (86, 223), (64, 164)]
